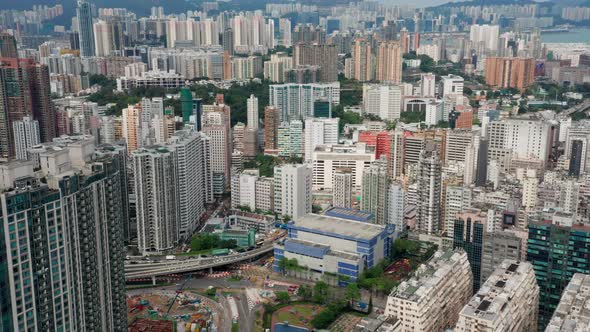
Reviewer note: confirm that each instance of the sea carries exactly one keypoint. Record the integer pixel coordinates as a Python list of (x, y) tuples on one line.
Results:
[(576, 35)]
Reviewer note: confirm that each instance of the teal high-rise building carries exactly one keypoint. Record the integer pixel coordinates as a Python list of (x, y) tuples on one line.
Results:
[(84, 12), (186, 102), (557, 252)]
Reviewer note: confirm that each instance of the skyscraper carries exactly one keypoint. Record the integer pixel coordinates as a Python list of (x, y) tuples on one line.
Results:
[(292, 190), (85, 28), (342, 195), (389, 62), (252, 112), (362, 64), (8, 46), (325, 56), (469, 230), (132, 127), (271, 127), (216, 121), (157, 195), (375, 190), (382, 100), (24, 91), (68, 237), (557, 249), (26, 135), (429, 191)]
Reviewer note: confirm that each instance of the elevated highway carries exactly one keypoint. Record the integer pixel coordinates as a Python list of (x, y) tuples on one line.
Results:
[(184, 264)]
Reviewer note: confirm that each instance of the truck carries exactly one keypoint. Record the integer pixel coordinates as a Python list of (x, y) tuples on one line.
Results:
[(169, 257), (219, 252)]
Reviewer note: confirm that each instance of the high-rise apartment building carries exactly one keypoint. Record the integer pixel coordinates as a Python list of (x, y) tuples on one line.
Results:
[(290, 139), (382, 100), (375, 189), (132, 126), (389, 62), (427, 85), (342, 193), (432, 298), (274, 70), (292, 190), (194, 178), (252, 112), (26, 135), (362, 60), (85, 29), (507, 301), (516, 73), (25, 91), (456, 199), (320, 131), (556, 250), (322, 55), (429, 191), (298, 101), (396, 203), (485, 35), (8, 46), (157, 195), (63, 251), (271, 128), (216, 125)]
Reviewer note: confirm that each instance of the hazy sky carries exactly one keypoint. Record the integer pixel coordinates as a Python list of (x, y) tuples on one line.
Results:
[(416, 3)]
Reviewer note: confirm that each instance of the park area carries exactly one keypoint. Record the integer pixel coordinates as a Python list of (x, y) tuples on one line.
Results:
[(297, 314)]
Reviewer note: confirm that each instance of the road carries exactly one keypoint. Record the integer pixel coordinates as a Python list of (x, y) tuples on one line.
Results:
[(143, 268)]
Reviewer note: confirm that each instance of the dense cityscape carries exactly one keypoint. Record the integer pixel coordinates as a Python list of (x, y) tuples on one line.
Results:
[(284, 166)]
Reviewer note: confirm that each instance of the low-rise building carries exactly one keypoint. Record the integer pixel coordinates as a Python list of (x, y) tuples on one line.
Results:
[(247, 220), (334, 246)]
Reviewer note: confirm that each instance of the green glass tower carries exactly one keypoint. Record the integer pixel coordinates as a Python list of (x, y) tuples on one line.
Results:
[(186, 100), (557, 252)]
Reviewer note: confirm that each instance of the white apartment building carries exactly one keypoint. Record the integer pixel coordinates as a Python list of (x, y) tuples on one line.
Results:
[(485, 35), (26, 135), (194, 178), (433, 297), (457, 199), (457, 142), (396, 204), (507, 301), (296, 101), (274, 70), (571, 313), (252, 112), (434, 112), (521, 137), (292, 190), (327, 159), (157, 194), (342, 195), (427, 85), (319, 131), (382, 100)]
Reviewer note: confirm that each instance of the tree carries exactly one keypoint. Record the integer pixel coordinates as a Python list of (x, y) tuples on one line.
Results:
[(283, 262), (320, 292), (305, 292), (283, 297), (352, 292), (316, 208)]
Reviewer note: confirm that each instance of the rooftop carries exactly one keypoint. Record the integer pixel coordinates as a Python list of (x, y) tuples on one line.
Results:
[(428, 275), (338, 227), (496, 293), (573, 312)]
